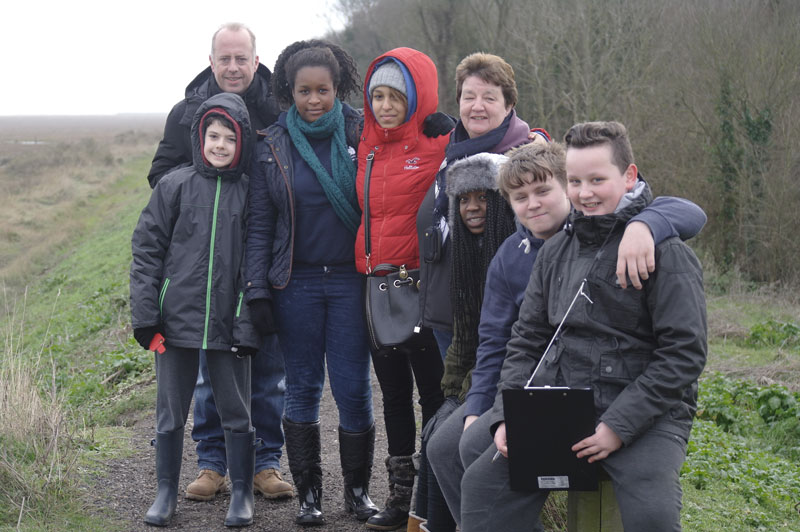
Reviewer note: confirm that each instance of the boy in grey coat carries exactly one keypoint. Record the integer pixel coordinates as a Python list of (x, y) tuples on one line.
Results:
[(641, 352), (186, 295)]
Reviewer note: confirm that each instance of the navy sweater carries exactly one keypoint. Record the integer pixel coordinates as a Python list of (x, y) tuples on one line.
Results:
[(321, 239)]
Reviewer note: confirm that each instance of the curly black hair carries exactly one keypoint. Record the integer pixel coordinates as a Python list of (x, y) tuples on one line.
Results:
[(314, 52)]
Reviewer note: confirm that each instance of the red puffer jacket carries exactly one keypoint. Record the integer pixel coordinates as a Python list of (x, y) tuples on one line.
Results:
[(404, 167)]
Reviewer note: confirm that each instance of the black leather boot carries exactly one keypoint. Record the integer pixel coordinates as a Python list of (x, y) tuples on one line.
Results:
[(303, 450), (240, 448), (356, 451), (401, 483), (169, 454)]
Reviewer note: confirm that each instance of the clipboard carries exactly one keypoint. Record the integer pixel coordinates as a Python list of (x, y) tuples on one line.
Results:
[(542, 424)]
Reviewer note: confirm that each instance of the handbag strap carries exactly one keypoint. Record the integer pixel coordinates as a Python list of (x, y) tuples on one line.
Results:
[(367, 239), (387, 268)]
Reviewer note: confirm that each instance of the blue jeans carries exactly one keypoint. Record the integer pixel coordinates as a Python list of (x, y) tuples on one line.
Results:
[(443, 340), (266, 410), (320, 319)]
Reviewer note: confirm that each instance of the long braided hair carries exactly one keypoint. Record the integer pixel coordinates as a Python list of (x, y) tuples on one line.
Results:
[(297, 55), (472, 253)]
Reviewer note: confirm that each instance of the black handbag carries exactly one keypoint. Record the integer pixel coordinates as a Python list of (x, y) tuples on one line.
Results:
[(391, 294)]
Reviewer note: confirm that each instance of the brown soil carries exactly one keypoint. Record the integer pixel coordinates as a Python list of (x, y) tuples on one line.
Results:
[(125, 490)]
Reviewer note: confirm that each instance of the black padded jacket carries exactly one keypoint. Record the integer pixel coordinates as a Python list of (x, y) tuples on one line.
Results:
[(188, 248)]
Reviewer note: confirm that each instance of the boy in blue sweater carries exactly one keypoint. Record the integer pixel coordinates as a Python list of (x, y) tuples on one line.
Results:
[(533, 180)]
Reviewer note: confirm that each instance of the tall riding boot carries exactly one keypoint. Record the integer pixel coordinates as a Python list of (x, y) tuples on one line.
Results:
[(356, 451), (303, 449), (169, 454), (240, 448), (401, 483)]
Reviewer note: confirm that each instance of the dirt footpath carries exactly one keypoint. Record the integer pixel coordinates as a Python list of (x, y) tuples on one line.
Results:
[(126, 490)]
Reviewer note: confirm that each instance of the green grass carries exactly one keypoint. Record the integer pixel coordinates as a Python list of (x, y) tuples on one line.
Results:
[(87, 291), (76, 324), (742, 461)]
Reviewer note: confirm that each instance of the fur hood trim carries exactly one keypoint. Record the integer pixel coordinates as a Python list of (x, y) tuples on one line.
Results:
[(476, 172)]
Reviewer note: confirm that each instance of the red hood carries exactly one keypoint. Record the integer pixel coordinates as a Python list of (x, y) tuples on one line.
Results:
[(426, 82)]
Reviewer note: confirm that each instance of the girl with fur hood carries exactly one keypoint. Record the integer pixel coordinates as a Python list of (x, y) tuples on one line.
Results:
[(479, 220)]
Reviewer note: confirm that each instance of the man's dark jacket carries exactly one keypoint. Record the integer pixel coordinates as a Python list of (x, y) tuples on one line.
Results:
[(175, 148)]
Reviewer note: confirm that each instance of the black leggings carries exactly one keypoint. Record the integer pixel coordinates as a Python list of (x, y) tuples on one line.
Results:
[(397, 370)]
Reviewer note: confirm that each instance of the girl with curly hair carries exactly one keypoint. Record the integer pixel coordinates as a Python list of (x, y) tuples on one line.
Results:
[(301, 277)]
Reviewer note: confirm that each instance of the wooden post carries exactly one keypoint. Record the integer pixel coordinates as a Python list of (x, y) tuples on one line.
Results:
[(594, 511)]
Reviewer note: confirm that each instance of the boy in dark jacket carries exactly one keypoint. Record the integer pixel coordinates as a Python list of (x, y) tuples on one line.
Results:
[(186, 295), (641, 351), (533, 181)]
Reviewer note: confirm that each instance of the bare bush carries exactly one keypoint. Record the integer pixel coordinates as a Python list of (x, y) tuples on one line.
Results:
[(707, 89)]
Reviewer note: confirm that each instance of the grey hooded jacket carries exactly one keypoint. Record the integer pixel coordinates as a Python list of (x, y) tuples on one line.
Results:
[(188, 247), (641, 351)]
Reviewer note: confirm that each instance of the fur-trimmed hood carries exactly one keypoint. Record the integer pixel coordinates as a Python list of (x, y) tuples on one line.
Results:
[(476, 172)]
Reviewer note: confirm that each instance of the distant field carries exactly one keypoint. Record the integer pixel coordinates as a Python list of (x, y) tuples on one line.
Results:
[(49, 165), (24, 128)]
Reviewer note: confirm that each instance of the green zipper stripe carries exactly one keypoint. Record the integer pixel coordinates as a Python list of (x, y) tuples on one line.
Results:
[(211, 261), (239, 304), (161, 296)]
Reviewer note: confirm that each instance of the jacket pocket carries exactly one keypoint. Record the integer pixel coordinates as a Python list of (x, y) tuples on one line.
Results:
[(621, 369), (162, 295), (616, 372), (620, 308)]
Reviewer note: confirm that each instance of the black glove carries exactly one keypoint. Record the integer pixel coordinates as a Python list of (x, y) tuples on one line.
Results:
[(244, 351), (261, 314), (144, 335), (437, 124)]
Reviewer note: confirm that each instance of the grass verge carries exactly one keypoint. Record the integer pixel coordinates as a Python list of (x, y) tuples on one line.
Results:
[(69, 368)]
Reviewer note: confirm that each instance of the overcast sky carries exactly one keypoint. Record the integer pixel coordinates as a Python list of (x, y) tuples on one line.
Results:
[(91, 57)]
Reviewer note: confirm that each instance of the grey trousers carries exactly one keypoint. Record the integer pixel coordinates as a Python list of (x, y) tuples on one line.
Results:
[(176, 375), (444, 458), (644, 474)]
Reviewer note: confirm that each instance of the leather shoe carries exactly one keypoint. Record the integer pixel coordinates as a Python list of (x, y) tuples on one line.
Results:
[(271, 485), (206, 486)]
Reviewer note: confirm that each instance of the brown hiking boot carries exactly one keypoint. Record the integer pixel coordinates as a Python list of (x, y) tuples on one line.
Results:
[(269, 483), (206, 486)]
